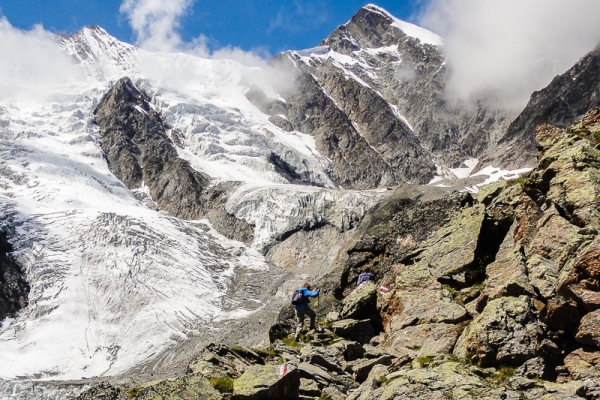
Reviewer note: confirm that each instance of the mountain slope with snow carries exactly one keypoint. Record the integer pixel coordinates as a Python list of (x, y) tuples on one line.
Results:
[(115, 281)]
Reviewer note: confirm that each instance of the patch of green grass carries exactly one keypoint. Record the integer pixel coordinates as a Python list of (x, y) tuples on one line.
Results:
[(324, 397), (265, 353), (238, 349), (596, 136), (425, 361), (290, 342), (518, 181), (223, 385), (307, 338), (382, 380), (133, 392), (504, 373)]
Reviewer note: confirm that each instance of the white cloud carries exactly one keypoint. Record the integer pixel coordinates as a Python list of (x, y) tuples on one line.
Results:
[(155, 22), (503, 50), (156, 25), (32, 63)]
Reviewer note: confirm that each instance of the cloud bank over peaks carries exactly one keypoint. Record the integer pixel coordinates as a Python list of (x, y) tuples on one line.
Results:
[(32, 65), (501, 51), (156, 25), (155, 22)]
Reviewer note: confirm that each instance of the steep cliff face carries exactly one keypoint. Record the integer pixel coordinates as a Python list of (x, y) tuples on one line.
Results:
[(383, 81), (14, 289), (567, 97), (134, 138)]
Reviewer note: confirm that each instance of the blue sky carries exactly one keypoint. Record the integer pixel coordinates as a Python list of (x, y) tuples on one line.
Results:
[(274, 25)]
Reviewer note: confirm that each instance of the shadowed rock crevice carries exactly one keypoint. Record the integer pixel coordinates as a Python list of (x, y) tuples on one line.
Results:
[(288, 171), (490, 238)]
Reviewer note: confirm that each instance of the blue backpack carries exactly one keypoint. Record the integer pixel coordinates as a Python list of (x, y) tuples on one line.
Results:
[(298, 297)]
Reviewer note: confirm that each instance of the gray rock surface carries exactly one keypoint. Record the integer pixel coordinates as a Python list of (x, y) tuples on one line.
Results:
[(134, 138), (506, 332), (567, 97), (14, 288), (361, 331)]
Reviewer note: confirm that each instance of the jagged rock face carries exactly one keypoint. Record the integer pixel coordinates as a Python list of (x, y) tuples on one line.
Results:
[(506, 333), (410, 73), (355, 163), (134, 138), (567, 97), (372, 87), (14, 289)]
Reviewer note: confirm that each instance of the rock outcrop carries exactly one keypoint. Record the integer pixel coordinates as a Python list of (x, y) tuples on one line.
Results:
[(567, 97), (135, 140), (14, 288), (139, 152)]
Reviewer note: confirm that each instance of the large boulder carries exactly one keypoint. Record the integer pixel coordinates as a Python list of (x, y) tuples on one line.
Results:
[(453, 246), (584, 364), (560, 314), (360, 304), (314, 372), (361, 368), (270, 382), (580, 278), (426, 339), (506, 332), (589, 329), (330, 358), (350, 349), (361, 331), (419, 299)]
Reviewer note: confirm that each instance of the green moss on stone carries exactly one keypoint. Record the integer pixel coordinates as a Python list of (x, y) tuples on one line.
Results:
[(290, 342), (223, 385)]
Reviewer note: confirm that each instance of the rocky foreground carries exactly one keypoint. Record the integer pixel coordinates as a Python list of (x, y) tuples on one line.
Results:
[(495, 296)]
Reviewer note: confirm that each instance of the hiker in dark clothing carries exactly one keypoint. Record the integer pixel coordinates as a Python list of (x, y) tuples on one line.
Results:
[(366, 276), (303, 309)]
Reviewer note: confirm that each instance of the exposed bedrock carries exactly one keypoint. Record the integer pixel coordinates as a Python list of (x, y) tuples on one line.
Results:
[(567, 97), (139, 151), (506, 281), (371, 88), (14, 289)]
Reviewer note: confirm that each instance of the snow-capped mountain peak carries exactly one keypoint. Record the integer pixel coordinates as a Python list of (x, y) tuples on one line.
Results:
[(423, 35)]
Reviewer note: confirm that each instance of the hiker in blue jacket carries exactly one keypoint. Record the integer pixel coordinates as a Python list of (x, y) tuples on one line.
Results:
[(303, 309), (366, 276)]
